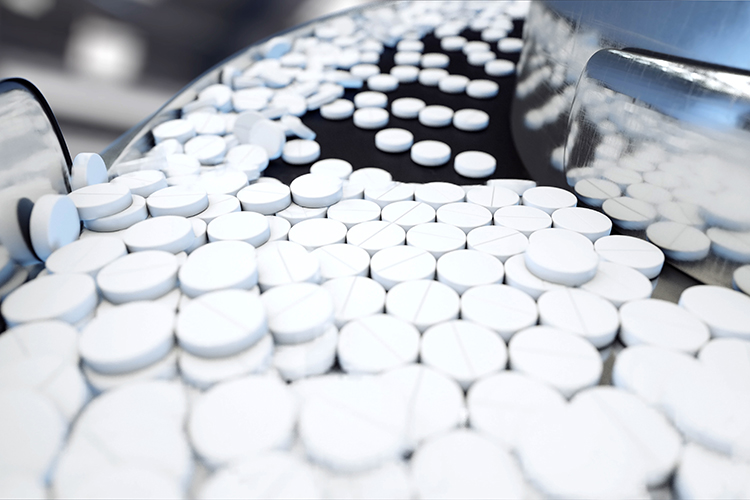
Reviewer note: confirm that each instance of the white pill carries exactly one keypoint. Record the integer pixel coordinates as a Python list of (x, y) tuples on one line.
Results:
[(725, 311), (407, 58), (332, 166), (463, 350), (561, 256), (247, 156), (492, 197), (465, 464), (430, 77), (187, 200), (266, 198), (595, 192), (100, 200), (340, 109), (279, 228), (315, 233), (407, 107), (548, 199), (452, 43), (218, 205), (298, 128), (633, 252), (169, 233), (364, 71), (504, 404), (301, 152), (142, 275), (207, 123), (435, 401), (423, 303), (208, 149), (408, 214), (67, 297), (501, 308), (405, 73), (244, 124), (437, 194), (435, 116), (375, 235), (465, 216), (367, 417), (565, 361), (296, 361), (453, 84), (500, 242), (135, 213), (355, 297), (377, 343), (728, 357), (436, 237), (480, 58), (430, 153), (382, 82), (524, 219), (482, 89), (706, 474), (475, 46), (25, 413), (316, 190), (595, 318), (221, 323), (518, 276), (242, 417), (371, 118), (395, 265), (499, 67), (465, 269), (298, 312), (37, 339), (589, 223), (249, 227), (394, 140), (218, 266), (618, 284), (384, 195), (661, 324), (54, 223), (87, 169), (284, 262), (204, 373), (182, 130), (352, 212), (411, 45), (268, 135), (227, 180), (629, 213), (741, 279), (129, 337), (471, 120), (518, 186), (732, 245), (341, 260), (679, 241), (474, 164), (295, 213), (649, 193), (163, 369), (371, 176), (434, 60)]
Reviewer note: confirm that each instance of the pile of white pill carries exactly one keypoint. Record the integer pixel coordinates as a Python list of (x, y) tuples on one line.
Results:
[(215, 333)]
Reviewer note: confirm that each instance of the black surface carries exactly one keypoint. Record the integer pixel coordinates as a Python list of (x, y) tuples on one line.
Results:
[(341, 139)]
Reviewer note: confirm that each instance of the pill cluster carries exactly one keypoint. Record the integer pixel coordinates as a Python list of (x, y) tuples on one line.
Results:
[(214, 333)]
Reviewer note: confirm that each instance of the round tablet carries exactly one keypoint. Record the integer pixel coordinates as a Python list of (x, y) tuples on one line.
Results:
[(502, 405), (430, 77), (492, 197), (394, 140), (482, 89), (143, 275), (452, 43), (298, 312), (315, 233), (510, 45), (169, 233), (207, 149), (405, 74), (364, 71), (725, 311), (269, 135), (589, 223), (480, 58), (471, 120), (732, 245), (648, 193), (382, 82), (633, 252), (395, 265), (242, 417), (218, 205), (465, 269), (661, 324), (300, 152), (408, 214), (371, 118), (88, 255), (375, 235), (618, 284), (163, 369), (341, 260), (217, 266), (407, 58), (249, 227), (266, 198), (435, 116), (499, 67), (296, 361), (563, 360), (741, 279), (679, 241), (434, 60), (182, 130), (332, 166), (595, 192), (355, 297), (548, 199), (407, 107), (136, 212), (221, 323), (340, 109), (377, 343), (248, 155), (518, 276), (129, 337), (40, 338), (595, 318), (703, 473), (474, 164), (367, 418), (143, 182), (463, 350), (423, 303), (453, 84), (185, 200), (436, 237), (352, 212), (430, 153), (436, 402), (524, 219), (371, 176), (502, 308), (67, 297), (101, 200), (500, 242), (629, 213), (204, 373), (386, 194), (728, 357), (316, 190), (561, 256), (437, 194)]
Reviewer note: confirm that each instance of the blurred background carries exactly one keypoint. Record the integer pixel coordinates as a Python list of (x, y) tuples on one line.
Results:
[(104, 65)]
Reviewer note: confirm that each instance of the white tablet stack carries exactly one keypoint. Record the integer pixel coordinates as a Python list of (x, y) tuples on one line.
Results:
[(351, 335)]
